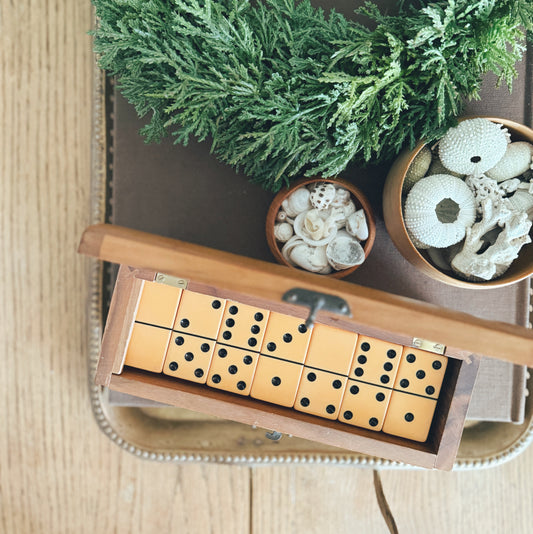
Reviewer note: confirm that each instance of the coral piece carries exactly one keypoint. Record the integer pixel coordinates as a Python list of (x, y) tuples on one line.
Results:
[(357, 226), (344, 251), (496, 259), (283, 232), (322, 195), (438, 209), (297, 202), (418, 168), (473, 147), (484, 187), (509, 186), (315, 228), (516, 161), (521, 202)]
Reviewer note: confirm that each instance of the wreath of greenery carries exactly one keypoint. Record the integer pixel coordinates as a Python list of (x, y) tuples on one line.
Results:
[(282, 89)]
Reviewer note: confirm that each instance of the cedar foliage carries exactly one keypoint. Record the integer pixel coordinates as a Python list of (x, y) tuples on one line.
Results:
[(283, 89)]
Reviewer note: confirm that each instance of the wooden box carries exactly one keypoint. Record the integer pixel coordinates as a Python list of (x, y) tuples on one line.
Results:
[(374, 313)]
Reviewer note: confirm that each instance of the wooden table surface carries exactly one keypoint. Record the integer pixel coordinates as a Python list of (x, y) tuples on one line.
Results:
[(58, 472)]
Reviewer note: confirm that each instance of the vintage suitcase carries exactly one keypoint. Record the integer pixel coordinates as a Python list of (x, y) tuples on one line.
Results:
[(151, 430), (149, 364)]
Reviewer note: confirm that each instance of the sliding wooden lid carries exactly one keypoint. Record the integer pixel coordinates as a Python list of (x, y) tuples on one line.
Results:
[(373, 308)]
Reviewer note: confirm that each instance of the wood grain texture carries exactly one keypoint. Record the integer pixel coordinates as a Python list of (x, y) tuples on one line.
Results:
[(491, 500), (58, 472), (265, 280), (314, 499)]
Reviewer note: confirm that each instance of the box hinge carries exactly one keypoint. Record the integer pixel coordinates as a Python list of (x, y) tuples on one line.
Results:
[(173, 281), (429, 346)]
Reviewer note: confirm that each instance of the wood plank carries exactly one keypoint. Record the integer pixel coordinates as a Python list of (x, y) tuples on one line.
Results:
[(58, 472), (489, 500), (314, 499)]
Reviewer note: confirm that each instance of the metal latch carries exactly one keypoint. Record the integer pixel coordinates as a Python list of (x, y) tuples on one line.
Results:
[(316, 301)]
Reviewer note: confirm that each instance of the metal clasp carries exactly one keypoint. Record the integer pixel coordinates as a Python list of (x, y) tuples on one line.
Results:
[(316, 301)]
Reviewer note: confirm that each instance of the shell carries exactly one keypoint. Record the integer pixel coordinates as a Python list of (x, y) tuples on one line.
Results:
[(282, 216), (297, 202), (344, 251), (425, 211), (322, 195), (288, 246), (357, 226), (283, 231), (311, 259), (342, 198), (521, 202), (340, 214), (516, 161), (418, 168), (315, 228), (473, 147)]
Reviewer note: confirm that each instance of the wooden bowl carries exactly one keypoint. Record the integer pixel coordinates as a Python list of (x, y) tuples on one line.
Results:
[(521, 268), (359, 200)]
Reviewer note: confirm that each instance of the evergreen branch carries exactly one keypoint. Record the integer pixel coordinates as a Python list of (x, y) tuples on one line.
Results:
[(284, 90)]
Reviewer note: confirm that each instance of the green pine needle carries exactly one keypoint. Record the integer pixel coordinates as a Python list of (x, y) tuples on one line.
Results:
[(283, 90)]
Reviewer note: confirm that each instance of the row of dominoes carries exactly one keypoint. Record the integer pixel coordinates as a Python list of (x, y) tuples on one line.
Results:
[(328, 372)]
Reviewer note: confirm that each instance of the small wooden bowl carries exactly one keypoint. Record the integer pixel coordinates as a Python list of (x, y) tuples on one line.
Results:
[(521, 268), (359, 200)]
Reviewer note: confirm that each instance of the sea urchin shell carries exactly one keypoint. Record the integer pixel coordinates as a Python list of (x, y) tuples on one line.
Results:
[(438, 210), (473, 147)]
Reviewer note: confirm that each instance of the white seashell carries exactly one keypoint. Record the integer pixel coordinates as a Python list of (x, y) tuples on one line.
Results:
[(521, 202), (340, 214), (314, 229), (282, 216), (337, 216), (309, 258), (438, 210), (297, 202), (516, 161), (342, 198), (314, 225), (289, 245), (322, 195), (418, 168), (357, 226), (473, 147), (344, 251), (283, 232)]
